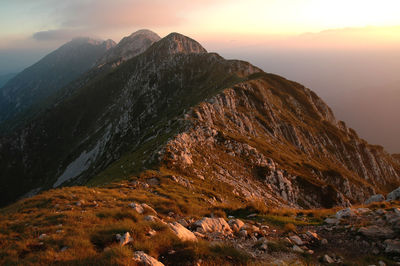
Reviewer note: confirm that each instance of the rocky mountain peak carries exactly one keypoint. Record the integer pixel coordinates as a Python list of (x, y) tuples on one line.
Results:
[(144, 32), (175, 43), (129, 47), (83, 40), (109, 44)]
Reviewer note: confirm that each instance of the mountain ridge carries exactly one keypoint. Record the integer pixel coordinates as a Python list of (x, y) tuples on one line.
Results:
[(153, 110)]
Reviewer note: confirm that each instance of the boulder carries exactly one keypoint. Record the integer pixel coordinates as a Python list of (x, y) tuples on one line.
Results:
[(348, 212), (125, 239), (236, 224), (243, 233), (147, 208), (43, 236), (331, 221), (151, 218), (375, 231), (151, 233), (313, 235), (392, 217), (394, 195), (181, 232), (213, 225), (183, 222), (392, 246), (297, 249), (297, 240), (264, 246), (137, 207), (327, 259), (375, 198), (142, 258)]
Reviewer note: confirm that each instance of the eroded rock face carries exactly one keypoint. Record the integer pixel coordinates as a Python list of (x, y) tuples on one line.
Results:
[(269, 137)]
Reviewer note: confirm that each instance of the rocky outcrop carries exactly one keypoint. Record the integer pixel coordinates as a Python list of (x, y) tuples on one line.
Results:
[(142, 258), (213, 225), (375, 198), (125, 239), (181, 232), (374, 231)]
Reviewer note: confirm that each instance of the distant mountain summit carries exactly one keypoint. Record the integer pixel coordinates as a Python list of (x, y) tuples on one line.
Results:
[(177, 43), (129, 46), (43, 79)]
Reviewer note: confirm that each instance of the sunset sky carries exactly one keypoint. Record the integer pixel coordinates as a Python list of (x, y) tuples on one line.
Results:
[(47, 23)]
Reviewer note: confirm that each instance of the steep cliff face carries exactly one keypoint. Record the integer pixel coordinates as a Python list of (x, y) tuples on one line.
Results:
[(275, 140)]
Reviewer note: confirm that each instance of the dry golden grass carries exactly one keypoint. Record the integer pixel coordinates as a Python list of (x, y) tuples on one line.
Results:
[(85, 221)]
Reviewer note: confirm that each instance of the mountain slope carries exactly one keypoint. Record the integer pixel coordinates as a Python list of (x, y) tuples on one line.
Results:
[(200, 118), (4, 78), (47, 76), (113, 114)]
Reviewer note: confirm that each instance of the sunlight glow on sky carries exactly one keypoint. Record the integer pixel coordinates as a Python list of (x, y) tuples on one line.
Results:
[(23, 18), (43, 25)]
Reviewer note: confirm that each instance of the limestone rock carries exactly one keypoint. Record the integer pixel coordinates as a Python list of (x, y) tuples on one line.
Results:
[(151, 218), (375, 198), (212, 225), (43, 236), (394, 195), (348, 212), (125, 239), (243, 233), (181, 232), (236, 224), (142, 258), (327, 259), (375, 231), (297, 240), (313, 235), (137, 207), (331, 221), (147, 208), (392, 246), (297, 249), (183, 222)]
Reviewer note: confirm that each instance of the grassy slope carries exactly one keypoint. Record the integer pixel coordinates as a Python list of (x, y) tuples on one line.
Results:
[(88, 229)]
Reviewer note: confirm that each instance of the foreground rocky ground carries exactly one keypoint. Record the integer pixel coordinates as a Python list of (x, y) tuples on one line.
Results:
[(154, 221)]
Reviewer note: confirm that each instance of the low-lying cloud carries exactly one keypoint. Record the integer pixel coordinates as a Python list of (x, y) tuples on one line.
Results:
[(54, 35)]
